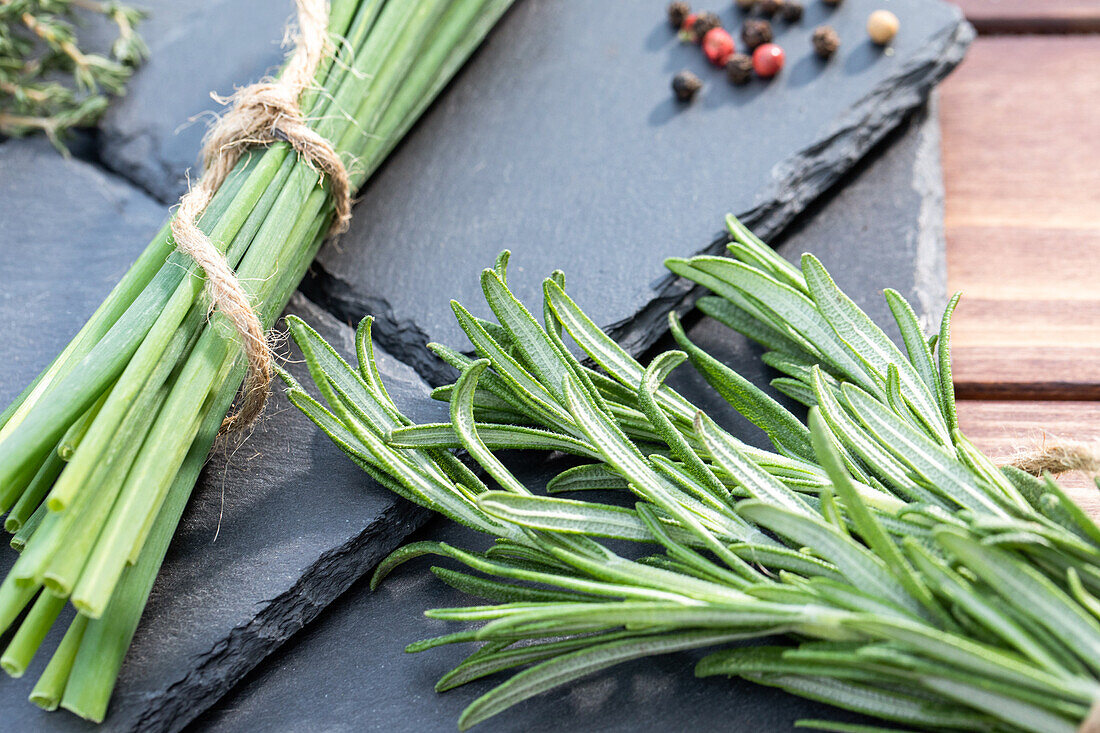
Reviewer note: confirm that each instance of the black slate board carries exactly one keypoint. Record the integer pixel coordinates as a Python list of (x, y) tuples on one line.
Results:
[(295, 522), (348, 670), (561, 141)]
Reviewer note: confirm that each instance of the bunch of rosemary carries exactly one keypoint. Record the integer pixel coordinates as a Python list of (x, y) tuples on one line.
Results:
[(47, 83), (893, 568), (100, 453)]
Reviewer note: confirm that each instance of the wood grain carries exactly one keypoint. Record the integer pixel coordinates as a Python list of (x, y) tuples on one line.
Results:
[(1033, 16), (1021, 155), (1021, 138), (1003, 428)]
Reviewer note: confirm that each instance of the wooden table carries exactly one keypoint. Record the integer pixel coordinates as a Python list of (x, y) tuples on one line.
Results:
[(1021, 158)]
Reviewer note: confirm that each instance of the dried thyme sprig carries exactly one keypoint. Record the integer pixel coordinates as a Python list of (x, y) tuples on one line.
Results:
[(48, 83), (904, 575)]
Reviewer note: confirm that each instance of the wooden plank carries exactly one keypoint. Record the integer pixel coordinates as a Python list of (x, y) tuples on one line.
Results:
[(1032, 16), (1020, 135), (1020, 145), (1004, 428), (1001, 372)]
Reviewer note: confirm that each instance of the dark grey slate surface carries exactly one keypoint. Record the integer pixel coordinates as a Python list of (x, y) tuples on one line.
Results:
[(348, 670), (561, 141), (152, 134), (295, 522), (67, 234)]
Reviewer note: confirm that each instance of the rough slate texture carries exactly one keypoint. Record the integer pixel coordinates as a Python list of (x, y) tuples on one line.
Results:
[(299, 523), (152, 135), (348, 671), (561, 141), (67, 234)]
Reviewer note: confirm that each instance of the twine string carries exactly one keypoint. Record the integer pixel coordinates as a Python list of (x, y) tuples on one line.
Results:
[(1061, 456), (260, 114)]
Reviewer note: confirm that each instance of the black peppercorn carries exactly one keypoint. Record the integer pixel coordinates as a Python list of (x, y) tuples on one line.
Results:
[(739, 69), (769, 7), (834, 3), (677, 11), (685, 85), (704, 22), (745, 5), (756, 32), (792, 11), (825, 41)]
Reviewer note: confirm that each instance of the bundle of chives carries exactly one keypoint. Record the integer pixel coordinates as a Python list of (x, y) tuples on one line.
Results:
[(100, 453)]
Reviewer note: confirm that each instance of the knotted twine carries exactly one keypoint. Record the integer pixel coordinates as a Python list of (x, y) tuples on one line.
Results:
[(260, 114)]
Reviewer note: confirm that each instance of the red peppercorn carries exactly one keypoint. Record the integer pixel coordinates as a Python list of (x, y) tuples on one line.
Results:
[(767, 60), (718, 46)]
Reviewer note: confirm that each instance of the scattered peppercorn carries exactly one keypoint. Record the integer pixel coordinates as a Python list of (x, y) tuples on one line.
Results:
[(704, 22), (718, 46), (825, 40), (792, 11), (882, 26), (685, 85), (834, 3), (677, 12), (739, 69), (756, 32), (745, 5), (769, 7), (767, 60)]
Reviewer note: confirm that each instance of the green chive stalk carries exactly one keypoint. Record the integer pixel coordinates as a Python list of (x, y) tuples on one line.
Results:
[(895, 570), (100, 453)]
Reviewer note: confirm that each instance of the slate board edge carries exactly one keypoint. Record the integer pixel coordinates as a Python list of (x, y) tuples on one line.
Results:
[(796, 183), (214, 673), (808, 174), (930, 286), (208, 676)]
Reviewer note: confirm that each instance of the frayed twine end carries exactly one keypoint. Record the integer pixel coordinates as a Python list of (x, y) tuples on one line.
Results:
[(1058, 457)]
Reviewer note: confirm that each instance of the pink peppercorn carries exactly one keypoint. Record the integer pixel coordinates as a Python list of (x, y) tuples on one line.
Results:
[(718, 46), (767, 60)]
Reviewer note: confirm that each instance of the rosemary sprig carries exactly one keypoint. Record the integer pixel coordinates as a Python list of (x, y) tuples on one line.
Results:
[(47, 82), (908, 577)]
